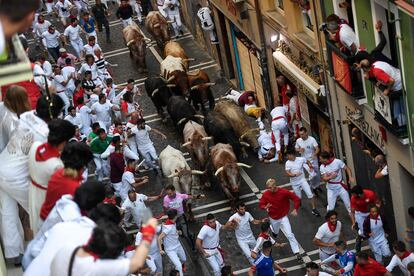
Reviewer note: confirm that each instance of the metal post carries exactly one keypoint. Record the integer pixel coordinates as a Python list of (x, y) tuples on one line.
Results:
[(263, 58)]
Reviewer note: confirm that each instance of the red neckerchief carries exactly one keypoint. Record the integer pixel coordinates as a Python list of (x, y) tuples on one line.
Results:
[(331, 226), (84, 213), (169, 222), (130, 248), (264, 235), (206, 223), (376, 218), (93, 254), (127, 169), (330, 160), (109, 200), (45, 152), (405, 255)]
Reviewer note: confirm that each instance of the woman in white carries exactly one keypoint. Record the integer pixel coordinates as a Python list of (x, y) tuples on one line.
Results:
[(99, 256)]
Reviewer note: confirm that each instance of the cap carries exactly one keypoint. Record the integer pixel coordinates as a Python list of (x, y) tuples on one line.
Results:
[(62, 50)]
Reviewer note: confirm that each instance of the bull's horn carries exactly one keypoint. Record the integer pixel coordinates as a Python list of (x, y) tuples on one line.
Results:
[(255, 129), (210, 84), (171, 85), (243, 165), (181, 121), (197, 172), (219, 170), (168, 21), (199, 116), (156, 25), (195, 87), (154, 92), (189, 59), (147, 39), (130, 42), (241, 137), (172, 175), (245, 144), (206, 138), (170, 79), (186, 144)]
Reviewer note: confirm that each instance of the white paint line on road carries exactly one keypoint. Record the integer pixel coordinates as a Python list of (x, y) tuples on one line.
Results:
[(224, 209), (220, 202), (249, 181)]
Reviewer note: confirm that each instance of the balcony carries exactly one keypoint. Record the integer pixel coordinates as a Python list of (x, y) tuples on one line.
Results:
[(343, 72), (390, 111)]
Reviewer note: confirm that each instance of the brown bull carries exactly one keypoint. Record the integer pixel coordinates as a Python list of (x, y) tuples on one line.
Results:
[(174, 49), (238, 121), (196, 142), (227, 170), (136, 44), (157, 26), (174, 72), (200, 91)]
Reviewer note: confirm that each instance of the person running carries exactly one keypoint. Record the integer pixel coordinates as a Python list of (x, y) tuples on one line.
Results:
[(134, 206), (129, 181), (401, 258), (294, 169), (172, 9), (244, 235), (100, 12), (169, 237), (63, 8), (208, 243), (361, 199), (375, 228), (98, 146), (328, 233), (73, 32), (307, 146), (154, 259), (102, 110), (40, 27), (331, 172), (280, 128), (88, 25), (51, 38), (366, 266), (90, 47), (312, 269), (125, 13), (276, 201), (344, 258), (264, 235), (264, 265)]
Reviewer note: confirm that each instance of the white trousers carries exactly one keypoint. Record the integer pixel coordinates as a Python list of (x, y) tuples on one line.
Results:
[(102, 169), (36, 198), (280, 127), (138, 11), (247, 246), (65, 100), (177, 257), (117, 187), (155, 262), (77, 45), (126, 22), (49, 8), (176, 18), (316, 179), (380, 249), (215, 260), (333, 194), (234, 96), (302, 186), (150, 155), (284, 224), (128, 153), (360, 218), (323, 256)]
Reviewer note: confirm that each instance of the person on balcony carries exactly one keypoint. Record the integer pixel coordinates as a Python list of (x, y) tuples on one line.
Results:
[(340, 32), (389, 77)]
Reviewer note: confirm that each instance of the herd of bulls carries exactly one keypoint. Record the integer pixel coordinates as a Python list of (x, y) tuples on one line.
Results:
[(183, 93)]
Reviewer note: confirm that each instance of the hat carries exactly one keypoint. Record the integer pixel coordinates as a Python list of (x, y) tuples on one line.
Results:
[(62, 50)]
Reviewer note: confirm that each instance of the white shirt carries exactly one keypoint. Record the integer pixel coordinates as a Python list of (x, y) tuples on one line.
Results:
[(84, 113), (102, 111), (390, 71), (93, 68), (243, 230), (154, 244), (39, 80), (47, 68), (259, 243), (87, 266), (76, 232), (66, 72), (73, 32), (57, 83), (205, 18), (40, 28), (347, 36), (309, 145), (384, 170), (265, 142), (295, 167), (128, 179), (210, 236), (171, 6), (171, 240), (377, 230), (142, 137), (135, 208), (63, 8), (76, 121), (402, 264), (52, 40), (292, 107), (279, 111), (333, 169), (327, 236), (89, 50)]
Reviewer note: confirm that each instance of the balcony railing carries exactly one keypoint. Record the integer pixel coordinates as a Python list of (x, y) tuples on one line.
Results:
[(343, 72), (390, 111)]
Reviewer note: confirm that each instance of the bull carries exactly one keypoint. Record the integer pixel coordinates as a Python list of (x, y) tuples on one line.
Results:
[(196, 142), (136, 44), (227, 170), (217, 126), (174, 72), (174, 49), (159, 93), (181, 111), (175, 167), (157, 26), (200, 91), (238, 121)]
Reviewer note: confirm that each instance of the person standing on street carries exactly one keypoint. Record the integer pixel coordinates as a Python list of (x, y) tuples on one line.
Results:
[(401, 258), (366, 266), (88, 25), (328, 233), (276, 201), (172, 8), (100, 12), (244, 235), (280, 128), (294, 169), (73, 32), (361, 199), (331, 172), (207, 23), (169, 237), (51, 38), (98, 146), (40, 27), (125, 13), (63, 8), (308, 147), (208, 243), (264, 265)]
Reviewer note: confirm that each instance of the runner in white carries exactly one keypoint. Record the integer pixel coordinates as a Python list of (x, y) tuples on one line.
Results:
[(40, 27), (208, 243), (172, 8), (401, 258), (60, 83), (74, 117), (90, 47), (134, 206), (160, 6), (328, 233), (308, 147), (279, 128), (374, 228), (129, 181), (102, 111), (73, 32), (294, 169), (267, 150), (63, 10), (85, 116), (264, 235), (207, 23), (154, 259), (241, 222), (169, 237), (331, 172)]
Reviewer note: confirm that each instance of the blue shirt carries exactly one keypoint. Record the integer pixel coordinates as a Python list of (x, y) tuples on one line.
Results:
[(347, 257), (264, 265), (89, 25)]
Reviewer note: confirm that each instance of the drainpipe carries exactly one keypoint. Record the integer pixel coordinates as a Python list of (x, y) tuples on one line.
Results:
[(338, 150), (263, 58)]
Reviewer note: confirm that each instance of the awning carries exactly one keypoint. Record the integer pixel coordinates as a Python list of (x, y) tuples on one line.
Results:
[(303, 82)]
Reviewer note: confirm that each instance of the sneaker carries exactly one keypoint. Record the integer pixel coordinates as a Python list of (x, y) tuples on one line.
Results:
[(299, 258), (316, 213)]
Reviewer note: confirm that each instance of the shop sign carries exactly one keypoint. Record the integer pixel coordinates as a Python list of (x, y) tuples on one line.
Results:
[(373, 132), (382, 105)]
